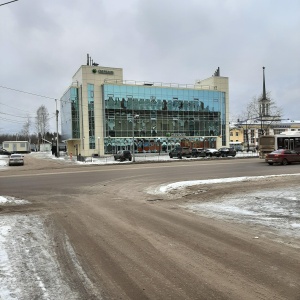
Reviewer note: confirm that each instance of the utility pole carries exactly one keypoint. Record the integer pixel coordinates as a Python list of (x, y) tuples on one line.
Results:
[(57, 152), (133, 153)]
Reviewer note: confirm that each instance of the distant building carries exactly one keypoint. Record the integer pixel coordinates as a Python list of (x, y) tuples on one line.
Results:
[(251, 130), (17, 146)]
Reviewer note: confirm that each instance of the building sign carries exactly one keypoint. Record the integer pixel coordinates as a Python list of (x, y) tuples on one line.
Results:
[(179, 134), (107, 72)]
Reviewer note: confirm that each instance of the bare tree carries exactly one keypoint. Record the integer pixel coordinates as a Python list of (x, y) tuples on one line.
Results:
[(26, 129), (262, 110), (42, 122)]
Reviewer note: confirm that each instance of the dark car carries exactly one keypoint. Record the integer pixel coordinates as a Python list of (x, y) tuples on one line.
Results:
[(198, 152), (4, 152), (227, 151), (282, 156), (123, 155), (179, 152), (212, 152)]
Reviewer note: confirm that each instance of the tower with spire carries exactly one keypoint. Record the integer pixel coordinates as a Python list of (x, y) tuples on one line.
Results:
[(264, 102)]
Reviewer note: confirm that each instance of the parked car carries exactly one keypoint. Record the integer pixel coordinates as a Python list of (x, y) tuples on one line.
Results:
[(282, 156), (198, 152), (4, 152), (179, 152), (239, 149), (250, 149), (212, 152), (16, 160), (227, 151), (123, 155)]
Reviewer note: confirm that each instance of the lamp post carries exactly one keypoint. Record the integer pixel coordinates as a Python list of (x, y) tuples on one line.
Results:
[(99, 144), (133, 153)]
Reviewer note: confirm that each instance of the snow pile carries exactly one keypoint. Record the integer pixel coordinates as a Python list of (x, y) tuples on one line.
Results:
[(165, 188), (12, 201), (29, 269), (276, 210), (3, 162)]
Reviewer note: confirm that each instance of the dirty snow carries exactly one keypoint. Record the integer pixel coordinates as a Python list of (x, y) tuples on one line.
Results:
[(28, 262), (278, 211)]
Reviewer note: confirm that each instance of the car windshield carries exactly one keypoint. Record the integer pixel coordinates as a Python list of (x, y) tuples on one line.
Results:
[(16, 156), (277, 152)]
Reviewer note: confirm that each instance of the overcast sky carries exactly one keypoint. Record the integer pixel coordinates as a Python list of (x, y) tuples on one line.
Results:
[(44, 42)]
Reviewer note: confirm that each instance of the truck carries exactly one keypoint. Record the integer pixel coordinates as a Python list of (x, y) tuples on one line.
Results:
[(266, 144), (180, 152)]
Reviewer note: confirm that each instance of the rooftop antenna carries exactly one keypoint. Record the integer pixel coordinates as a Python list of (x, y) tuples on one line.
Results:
[(217, 72)]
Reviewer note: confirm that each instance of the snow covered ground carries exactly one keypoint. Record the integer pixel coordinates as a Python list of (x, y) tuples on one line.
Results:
[(27, 253), (277, 210)]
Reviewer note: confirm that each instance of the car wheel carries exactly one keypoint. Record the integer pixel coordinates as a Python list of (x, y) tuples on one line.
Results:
[(129, 159), (210, 154), (285, 162), (171, 156), (271, 164)]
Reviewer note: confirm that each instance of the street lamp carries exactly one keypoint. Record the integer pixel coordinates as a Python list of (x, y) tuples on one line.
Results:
[(133, 154)]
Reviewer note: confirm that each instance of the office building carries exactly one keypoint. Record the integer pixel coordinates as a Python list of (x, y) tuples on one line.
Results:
[(102, 113)]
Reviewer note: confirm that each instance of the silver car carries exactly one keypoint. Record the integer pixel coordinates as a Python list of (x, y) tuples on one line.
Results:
[(16, 160)]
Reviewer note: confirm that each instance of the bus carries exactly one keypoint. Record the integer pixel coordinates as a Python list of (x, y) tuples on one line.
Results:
[(286, 140)]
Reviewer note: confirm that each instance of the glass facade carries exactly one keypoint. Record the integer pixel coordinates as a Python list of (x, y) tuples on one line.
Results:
[(91, 114), (70, 114), (158, 116)]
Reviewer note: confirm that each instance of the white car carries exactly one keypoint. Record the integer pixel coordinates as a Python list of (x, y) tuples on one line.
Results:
[(212, 152), (16, 160)]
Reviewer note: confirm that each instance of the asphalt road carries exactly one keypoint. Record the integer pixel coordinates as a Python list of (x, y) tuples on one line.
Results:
[(134, 245), (42, 176)]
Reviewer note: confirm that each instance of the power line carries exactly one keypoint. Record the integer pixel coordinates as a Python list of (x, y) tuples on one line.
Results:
[(4, 87), (14, 107), (8, 2), (12, 121), (15, 115)]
